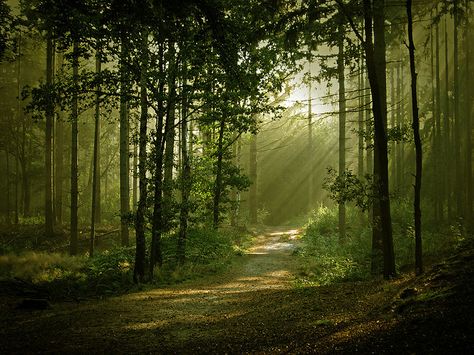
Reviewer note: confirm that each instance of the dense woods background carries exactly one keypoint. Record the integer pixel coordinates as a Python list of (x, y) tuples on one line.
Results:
[(151, 137)]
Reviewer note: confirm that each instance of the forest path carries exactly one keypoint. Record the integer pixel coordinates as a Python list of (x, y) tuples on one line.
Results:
[(198, 315)]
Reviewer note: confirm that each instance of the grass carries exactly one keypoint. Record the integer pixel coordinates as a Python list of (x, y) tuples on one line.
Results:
[(59, 276), (325, 259)]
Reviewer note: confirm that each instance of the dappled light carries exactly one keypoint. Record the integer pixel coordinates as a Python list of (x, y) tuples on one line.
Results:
[(236, 177)]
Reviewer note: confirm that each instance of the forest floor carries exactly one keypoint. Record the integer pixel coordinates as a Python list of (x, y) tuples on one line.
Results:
[(256, 307)]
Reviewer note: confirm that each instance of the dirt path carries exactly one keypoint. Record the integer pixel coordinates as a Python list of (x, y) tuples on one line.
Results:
[(200, 315)]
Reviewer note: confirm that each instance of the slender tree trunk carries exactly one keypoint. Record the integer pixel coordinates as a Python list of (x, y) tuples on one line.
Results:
[(459, 188), (124, 148), (360, 121), (342, 126), (49, 136), (447, 127), (440, 175), (399, 127), (157, 221), (74, 147), (95, 172), (311, 157), (253, 190), (139, 269), (185, 173), (135, 174), (418, 147), (375, 57), (169, 142), (59, 157), (469, 213), (218, 181)]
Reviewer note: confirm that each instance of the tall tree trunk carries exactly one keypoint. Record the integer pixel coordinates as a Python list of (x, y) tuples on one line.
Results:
[(375, 57), (169, 142), (469, 213), (438, 157), (124, 147), (253, 190), (157, 221), (185, 172), (418, 147), (447, 127), (218, 181), (135, 174), (95, 159), (342, 125), (459, 188), (139, 269), (74, 147), (49, 136), (59, 158), (360, 121), (311, 157), (399, 127)]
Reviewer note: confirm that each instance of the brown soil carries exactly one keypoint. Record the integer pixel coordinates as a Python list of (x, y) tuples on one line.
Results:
[(255, 308)]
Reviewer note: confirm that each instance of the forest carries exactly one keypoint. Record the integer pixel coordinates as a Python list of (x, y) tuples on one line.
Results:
[(236, 176)]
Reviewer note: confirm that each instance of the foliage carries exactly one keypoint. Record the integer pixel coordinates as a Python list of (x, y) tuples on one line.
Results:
[(326, 259), (348, 187)]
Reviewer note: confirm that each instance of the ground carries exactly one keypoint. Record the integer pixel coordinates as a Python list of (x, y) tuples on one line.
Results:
[(255, 307)]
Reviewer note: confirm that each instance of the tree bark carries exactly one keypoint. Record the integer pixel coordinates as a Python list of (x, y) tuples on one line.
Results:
[(169, 142), (140, 251), (49, 136), (157, 221), (95, 160), (418, 147), (469, 213), (74, 148), (124, 148), (375, 58), (459, 188), (218, 179), (342, 125), (185, 173), (253, 190)]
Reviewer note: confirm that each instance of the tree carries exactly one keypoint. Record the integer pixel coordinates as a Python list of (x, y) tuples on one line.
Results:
[(48, 209), (418, 147), (139, 268), (342, 122)]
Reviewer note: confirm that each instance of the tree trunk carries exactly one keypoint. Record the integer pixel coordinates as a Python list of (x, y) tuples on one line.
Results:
[(49, 136), (447, 128), (469, 213), (95, 160), (140, 251), (59, 158), (74, 147), (169, 142), (399, 127), (311, 158), (157, 221), (375, 57), (185, 173), (459, 188), (218, 181), (360, 121), (438, 152), (124, 148), (253, 190), (342, 126), (418, 147)]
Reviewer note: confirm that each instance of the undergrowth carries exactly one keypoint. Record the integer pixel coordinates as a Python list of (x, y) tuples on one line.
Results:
[(59, 276), (326, 259)]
